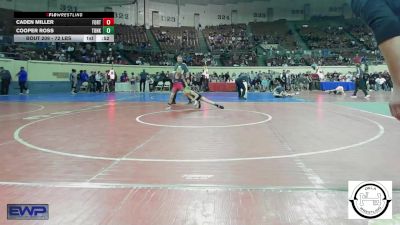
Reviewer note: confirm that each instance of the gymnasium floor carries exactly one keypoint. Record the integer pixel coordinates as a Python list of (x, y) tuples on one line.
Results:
[(122, 159)]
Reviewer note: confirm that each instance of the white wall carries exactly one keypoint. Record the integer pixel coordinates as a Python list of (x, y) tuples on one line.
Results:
[(134, 14), (209, 12), (24, 5), (168, 14), (139, 19), (7, 4), (125, 14)]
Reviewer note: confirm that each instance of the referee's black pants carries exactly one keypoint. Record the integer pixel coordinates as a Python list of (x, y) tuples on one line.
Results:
[(142, 82), (240, 86)]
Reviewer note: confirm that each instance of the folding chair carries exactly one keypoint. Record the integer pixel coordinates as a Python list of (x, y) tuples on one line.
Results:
[(84, 86), (159, 86), (167, 85)]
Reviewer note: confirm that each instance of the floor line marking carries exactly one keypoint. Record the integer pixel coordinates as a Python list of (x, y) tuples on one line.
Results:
[(138, 119), (20, 140), (119, 206), (41, 107), (169, 186), (118, 161), (308, 172), (7, 142), (361, 110), (25, 143)]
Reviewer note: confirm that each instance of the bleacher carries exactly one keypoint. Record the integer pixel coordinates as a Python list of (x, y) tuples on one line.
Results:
[(6, 22), (176, 39), (133, 36), (227, 38), (361, 33), (277, 32), (337, 43), (319, 35)]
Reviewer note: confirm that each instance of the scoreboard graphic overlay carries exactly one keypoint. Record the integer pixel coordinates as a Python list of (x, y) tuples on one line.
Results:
[(64, 27)]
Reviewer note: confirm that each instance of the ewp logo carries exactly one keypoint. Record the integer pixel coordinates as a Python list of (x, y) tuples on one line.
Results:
[(27, 211)]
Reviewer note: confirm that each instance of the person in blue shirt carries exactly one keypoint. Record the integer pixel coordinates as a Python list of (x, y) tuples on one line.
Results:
[(383, 17), (22, 81), (84, 77), (124, 77)]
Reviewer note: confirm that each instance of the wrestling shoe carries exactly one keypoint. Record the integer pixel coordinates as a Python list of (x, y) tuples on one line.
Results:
[(220, 106)]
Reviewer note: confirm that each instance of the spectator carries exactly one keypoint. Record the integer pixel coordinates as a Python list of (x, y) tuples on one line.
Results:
[(105, 81), (133, 81), (372, 83), (98, 81), (84, 77), (5, 80), (166, 78), (112, 78), (124, 77), (92, 82), (315, 82), (265, 82), (380, 81), (22, 80), (73, 78), (143, 78)]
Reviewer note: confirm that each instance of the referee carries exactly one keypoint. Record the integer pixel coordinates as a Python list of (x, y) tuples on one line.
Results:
[(240, 85), (361, 83), (383, 17)]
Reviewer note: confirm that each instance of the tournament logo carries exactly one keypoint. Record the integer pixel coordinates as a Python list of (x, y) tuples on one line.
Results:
[(370, 200)]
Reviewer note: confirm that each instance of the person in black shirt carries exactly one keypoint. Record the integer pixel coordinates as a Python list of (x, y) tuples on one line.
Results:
[(284, 81), (371, 82), (92, 82), (361, 83), (5, 81), (383, 17), (241, 88), (143, 78)]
